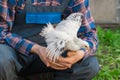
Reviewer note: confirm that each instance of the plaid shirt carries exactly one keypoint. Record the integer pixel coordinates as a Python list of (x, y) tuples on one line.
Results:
[(8, 8)]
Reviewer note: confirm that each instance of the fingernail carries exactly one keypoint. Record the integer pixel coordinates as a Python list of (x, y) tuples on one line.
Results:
[(69, 66), (48, 65)]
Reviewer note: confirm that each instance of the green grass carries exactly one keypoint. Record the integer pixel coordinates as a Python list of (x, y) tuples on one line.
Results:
[(108, 54)]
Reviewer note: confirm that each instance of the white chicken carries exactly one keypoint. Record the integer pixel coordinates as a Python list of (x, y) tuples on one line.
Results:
[(63, 36)]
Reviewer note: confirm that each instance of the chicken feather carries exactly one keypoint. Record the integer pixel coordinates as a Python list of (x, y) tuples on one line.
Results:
[(63, 36)]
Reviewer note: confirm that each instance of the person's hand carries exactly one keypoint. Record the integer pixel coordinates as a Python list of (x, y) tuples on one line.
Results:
[(72, 58), (64, 63), (41, 52), (57, 66)]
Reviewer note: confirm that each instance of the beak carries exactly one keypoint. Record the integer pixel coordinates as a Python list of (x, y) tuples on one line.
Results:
[(87, 47)]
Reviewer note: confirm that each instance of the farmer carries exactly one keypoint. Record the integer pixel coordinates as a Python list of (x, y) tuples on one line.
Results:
[(23, 50)]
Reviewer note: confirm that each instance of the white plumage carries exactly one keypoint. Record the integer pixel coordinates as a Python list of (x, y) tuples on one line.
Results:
[(63, 36)]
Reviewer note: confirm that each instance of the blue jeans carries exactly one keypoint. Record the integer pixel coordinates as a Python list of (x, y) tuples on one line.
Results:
[(13, 64)]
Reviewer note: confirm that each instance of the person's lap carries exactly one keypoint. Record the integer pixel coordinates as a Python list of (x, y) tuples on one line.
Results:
[(32, 65), (81, 70), (9, 64)]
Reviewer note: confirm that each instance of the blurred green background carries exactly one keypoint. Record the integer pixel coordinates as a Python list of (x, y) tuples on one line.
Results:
[(108, 53)]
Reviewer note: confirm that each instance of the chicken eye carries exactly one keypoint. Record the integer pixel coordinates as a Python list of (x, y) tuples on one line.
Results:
[(61, 42)]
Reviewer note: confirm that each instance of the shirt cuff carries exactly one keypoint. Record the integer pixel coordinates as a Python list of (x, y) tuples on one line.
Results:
[(86, 53), (26, 47), (83, 49)]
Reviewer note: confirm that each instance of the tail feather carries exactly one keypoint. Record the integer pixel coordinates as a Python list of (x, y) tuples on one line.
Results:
[(55, 49), (75, 17), (47, 29)]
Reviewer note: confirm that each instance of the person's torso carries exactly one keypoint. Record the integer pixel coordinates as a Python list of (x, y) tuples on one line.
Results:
[(31, 31)]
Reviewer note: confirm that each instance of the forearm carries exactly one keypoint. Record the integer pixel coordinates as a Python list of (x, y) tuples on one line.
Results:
[(87, 29), (22, 45), (13, 40), (18, 43), (93, 43), (36, 49), (7, 15)]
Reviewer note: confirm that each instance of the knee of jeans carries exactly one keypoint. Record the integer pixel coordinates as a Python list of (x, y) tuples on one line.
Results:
[(6, 51), (2, 67), (7, 69), (94, 68), (6, 64)]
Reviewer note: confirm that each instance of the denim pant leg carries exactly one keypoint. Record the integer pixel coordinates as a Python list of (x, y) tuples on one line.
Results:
[(85, 70), (9, 65)]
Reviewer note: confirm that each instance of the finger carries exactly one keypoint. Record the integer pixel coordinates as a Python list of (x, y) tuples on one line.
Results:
[(75, 58), (56, 64), (47, 64), (58, 68), (52, 52), (53, 58), (69, 54), (61, 64), (48, 52), (57, 55), (45, 61), (69, 60), (66, 64), (49, 49), (65, 60)]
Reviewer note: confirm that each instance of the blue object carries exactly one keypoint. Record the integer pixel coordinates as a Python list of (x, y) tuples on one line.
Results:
[(43, 17)]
